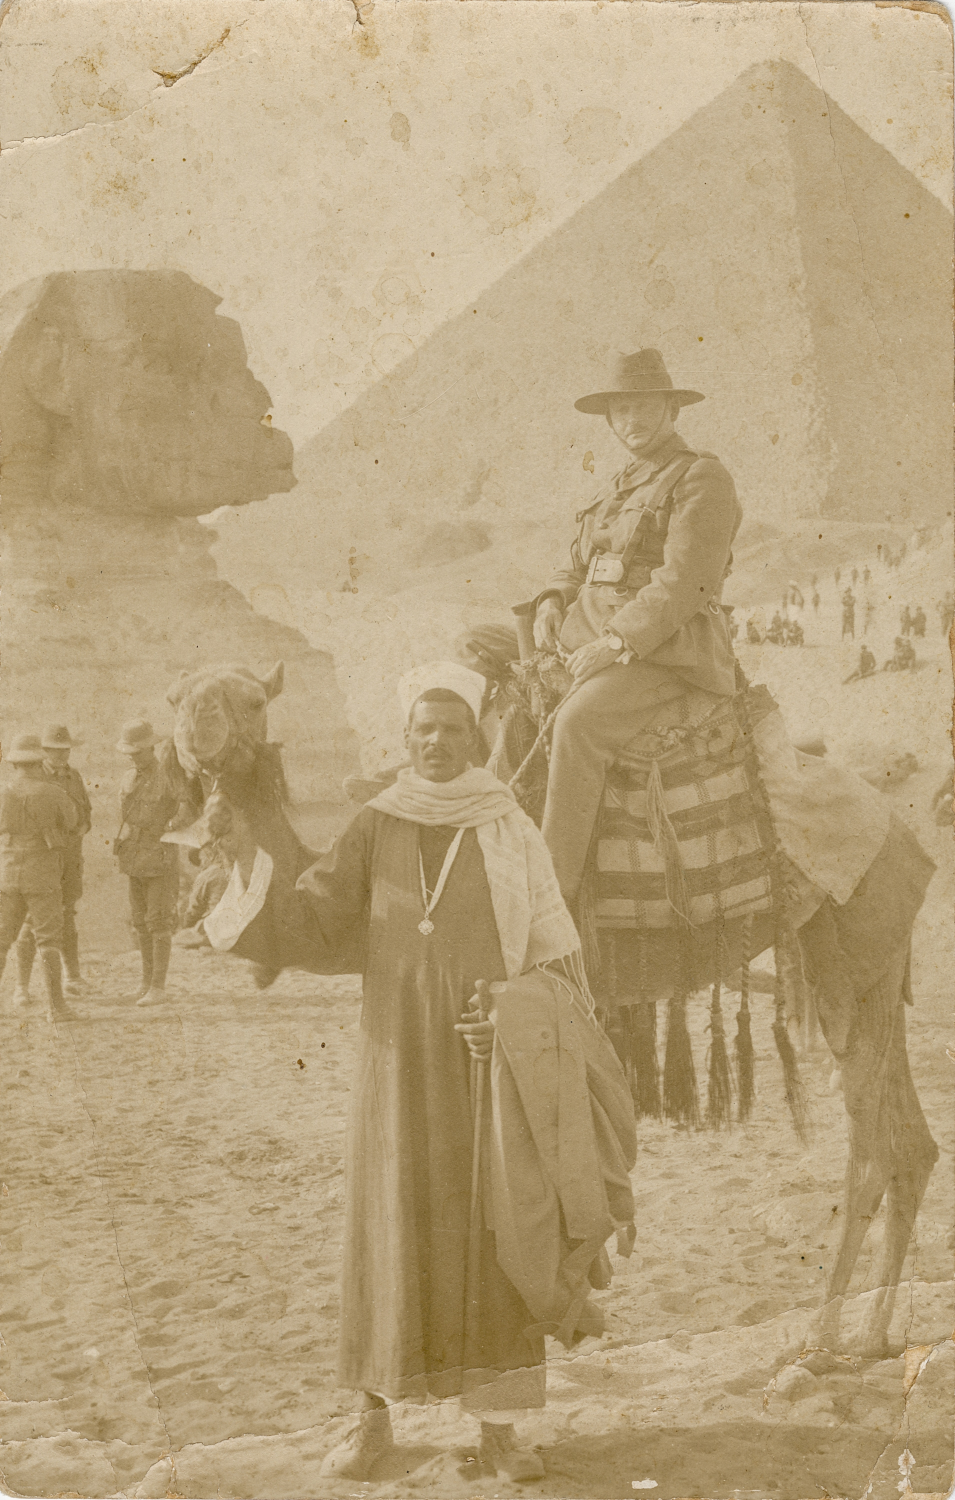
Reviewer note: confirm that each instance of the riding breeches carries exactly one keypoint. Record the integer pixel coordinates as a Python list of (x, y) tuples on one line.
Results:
[(44, 909), (152, 902), (594, 726)]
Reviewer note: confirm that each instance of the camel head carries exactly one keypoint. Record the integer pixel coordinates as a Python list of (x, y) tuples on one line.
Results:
[(221, 712)]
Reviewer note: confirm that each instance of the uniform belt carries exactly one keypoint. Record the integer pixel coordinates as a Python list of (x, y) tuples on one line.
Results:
[(29, 841), (608, 568)]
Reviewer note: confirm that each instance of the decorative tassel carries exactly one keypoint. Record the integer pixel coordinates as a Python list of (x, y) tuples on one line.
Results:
[(743, 1046), (667, 845), (609, 960), (719, 1089), (785, 939), (644, 1071), (795, 1092), (680, 1100)]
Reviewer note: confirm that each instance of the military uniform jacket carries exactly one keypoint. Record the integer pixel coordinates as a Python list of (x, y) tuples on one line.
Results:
[(146, 806), (670, 519), (69, 780), (36, 820)]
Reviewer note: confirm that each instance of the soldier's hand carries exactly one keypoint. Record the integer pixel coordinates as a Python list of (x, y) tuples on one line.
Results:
[(595, 657), (547, 624)]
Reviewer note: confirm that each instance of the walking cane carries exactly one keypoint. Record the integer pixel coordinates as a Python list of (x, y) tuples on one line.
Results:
[(472, 1274)]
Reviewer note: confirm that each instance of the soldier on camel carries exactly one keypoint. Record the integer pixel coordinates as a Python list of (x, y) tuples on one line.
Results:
[(639, 607), (638, 611)]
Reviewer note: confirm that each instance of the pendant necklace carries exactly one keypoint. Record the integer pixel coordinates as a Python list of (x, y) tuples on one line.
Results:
[(431, 899)]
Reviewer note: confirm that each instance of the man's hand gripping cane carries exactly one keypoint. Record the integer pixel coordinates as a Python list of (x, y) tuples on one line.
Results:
[(475, 1027)]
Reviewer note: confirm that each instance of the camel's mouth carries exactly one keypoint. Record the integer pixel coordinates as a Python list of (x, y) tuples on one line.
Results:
[(205, 739)]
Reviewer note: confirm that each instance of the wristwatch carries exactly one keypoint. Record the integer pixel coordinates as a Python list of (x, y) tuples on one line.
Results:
[(614, 642)]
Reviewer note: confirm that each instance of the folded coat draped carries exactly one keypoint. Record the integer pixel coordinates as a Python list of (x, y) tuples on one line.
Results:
[(558, 1147)]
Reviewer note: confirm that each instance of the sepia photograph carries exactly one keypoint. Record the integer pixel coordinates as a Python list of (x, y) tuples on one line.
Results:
[(476, 751)]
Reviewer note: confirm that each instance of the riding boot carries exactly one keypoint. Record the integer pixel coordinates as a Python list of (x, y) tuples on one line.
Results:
[(73, 984), (161, 949), (145, 942), (52, 963), (25, 953)]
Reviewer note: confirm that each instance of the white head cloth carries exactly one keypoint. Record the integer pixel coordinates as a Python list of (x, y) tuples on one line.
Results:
[(442, 674)]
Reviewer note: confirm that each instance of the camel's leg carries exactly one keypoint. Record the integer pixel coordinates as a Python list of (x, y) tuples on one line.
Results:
[(914, 1154), (864, 1064), (890, 1149)]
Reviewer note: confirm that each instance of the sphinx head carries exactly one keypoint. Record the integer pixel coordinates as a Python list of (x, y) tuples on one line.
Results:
[(124, 392)]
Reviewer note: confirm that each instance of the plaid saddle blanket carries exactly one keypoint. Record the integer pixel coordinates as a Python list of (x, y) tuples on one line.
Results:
[(681, 837)]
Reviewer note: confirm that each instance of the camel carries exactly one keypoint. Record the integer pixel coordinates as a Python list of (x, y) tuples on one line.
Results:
[(220, 757), (853, 959)]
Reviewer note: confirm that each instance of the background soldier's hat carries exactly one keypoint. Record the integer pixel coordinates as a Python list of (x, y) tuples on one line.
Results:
[(640, 374), (25, 750), (58, 737), (138, 734)]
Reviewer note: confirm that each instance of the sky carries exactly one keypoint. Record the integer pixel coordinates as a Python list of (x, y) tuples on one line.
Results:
[(346, 187)]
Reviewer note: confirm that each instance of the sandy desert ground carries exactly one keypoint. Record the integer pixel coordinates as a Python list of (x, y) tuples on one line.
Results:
[(171, 1210)]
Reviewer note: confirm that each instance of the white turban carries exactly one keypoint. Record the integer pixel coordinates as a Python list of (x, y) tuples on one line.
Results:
[(442, 674)]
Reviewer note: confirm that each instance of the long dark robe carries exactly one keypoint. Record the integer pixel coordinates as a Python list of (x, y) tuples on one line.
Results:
[(409, 1142)]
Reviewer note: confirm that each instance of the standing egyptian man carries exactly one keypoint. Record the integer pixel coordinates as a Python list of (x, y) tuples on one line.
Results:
[(441, 881), (57, 744), (147, 805), (36, 821), (639, 607)]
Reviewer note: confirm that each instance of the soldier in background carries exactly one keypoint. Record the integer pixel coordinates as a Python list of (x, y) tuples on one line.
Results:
[(919, 623), (57, 743), (152, 867), (904, 658), (865, 668), (867, 618), (776, 632), (793, 634), (848, 614), (36, 820)]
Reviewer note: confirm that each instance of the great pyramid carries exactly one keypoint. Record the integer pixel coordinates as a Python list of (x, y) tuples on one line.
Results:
[(785, 264)]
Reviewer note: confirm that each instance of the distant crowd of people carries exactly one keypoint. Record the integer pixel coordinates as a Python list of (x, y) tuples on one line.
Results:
[(785, 628), (45, 814), (903, 659)]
